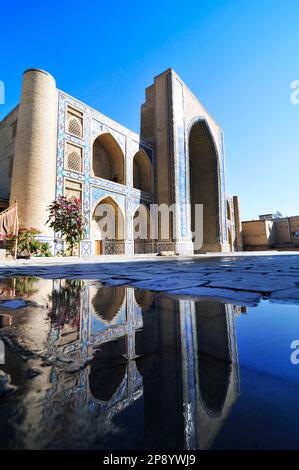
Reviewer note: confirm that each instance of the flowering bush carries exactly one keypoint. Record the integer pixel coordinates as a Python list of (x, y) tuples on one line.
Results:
[(65, 217), (27, 245)]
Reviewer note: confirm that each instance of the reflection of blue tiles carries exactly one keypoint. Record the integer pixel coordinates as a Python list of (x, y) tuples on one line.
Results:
[(98, 325)]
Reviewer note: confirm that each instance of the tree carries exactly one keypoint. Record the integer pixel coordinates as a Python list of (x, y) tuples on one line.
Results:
[(65, 217)]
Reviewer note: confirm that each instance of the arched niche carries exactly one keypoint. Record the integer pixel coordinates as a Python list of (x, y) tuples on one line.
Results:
[(107, 302), (108, 159), (214, 355), (142, 172), (108, 370), (109, 219), (204, 182)]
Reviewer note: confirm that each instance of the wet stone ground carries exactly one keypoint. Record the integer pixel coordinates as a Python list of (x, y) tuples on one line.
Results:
[(150, 355), (243, 280)]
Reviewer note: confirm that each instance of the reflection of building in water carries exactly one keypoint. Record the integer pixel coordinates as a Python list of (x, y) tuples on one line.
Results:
[(210, 369), (105, 339), (178, 356)]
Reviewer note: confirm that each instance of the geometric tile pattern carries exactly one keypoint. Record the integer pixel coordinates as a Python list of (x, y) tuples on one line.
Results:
[(93, 188)]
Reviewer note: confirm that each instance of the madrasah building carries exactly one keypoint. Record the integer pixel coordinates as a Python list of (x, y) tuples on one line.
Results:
[(52, 144)]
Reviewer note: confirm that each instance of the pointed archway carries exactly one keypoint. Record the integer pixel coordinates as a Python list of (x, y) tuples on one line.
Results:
[(214, 355), (142, 172), (204, 183), (108, 227), (107, 303), (108, 370), (108, 159)]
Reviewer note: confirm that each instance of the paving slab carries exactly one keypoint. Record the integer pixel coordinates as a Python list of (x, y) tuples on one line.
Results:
[(241, 298), (256, 283), (167, 284), (117, 282), (285, 296)]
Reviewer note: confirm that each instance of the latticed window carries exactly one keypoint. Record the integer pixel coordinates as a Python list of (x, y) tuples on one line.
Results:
[(74, 162), (73, 159), (75, 122), (73, 188), (75, 127)]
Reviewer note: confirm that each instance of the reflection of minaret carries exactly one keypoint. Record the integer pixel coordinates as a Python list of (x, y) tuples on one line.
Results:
[(209, 369)]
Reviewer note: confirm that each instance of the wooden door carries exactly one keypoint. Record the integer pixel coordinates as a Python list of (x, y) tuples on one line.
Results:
[(99, 247)]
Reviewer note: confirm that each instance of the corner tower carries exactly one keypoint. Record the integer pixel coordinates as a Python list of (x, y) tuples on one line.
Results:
[(33, 176)]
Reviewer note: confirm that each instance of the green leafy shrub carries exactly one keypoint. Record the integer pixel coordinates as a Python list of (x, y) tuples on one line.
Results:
[(27, 245)]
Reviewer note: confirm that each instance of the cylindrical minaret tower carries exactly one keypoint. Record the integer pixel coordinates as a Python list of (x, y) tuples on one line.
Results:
[(33, 177)]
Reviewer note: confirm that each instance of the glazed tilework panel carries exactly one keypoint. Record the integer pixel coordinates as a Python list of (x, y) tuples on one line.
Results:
[(187, 322), (62, 138), (97, 194), (223, 176), (180, 158), (93, 188), (179, 171), (86, 248)]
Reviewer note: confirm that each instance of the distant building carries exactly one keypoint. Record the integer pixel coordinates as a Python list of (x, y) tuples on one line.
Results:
[(266, 217), (275, 233)]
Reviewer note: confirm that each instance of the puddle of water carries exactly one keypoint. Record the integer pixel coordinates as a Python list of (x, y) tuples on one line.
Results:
[(90, 367)]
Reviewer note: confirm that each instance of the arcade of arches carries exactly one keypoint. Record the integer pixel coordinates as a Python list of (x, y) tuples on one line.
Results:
[(108, 163), (213, 341), (108, 228)]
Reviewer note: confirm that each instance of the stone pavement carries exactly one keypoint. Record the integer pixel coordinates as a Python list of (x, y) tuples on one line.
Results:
[(241, 279)]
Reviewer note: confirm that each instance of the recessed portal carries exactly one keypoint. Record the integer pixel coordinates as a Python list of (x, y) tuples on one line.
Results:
[(214, 360), (204, 183)]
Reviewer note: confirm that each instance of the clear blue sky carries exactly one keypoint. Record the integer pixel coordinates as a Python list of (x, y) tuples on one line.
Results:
[(238, 56)]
